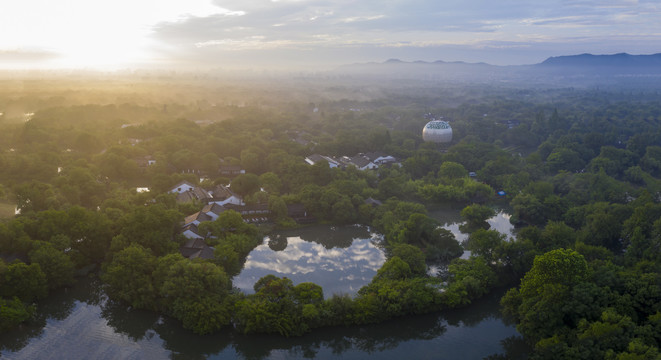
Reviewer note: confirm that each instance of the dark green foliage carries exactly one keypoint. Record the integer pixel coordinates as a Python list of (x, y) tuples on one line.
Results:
[(470, 279), (197, 293), (421, 231), (153, 227), (26, 282), (593, 207), (55, 264), (476, 215), (245, 184), (129, 277), (412, 256), (13, 312), (486, 244)]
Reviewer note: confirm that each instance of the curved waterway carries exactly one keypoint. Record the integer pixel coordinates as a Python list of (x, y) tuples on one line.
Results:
[(81, 323)]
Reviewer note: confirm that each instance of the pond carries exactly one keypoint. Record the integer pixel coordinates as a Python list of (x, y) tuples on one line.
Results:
[(340, 259), (450, 219), (81, 323)]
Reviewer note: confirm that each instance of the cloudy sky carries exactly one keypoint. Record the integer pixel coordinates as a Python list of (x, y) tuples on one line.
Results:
[(316, 34)]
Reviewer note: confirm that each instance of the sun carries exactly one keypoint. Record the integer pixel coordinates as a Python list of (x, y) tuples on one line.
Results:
[(92, 34)]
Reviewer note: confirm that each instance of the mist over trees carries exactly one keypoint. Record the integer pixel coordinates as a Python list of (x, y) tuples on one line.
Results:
[(579, 169)]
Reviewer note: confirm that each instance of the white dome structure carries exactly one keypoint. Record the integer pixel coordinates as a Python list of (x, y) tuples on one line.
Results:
[(437, 131)]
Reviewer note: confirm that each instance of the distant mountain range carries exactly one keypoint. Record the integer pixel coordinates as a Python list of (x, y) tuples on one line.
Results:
[(621, 60), (572, 69)]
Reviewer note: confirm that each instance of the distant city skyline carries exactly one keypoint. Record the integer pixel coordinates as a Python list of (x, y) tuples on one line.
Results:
[(315, 34)]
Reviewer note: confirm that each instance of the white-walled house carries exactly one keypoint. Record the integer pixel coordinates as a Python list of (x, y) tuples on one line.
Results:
[(182, 187), (315, 158)]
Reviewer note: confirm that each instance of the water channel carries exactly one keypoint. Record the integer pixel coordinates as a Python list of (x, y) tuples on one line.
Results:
[(82, 323)]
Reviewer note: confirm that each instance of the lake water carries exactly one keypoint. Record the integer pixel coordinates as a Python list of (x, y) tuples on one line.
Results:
[(450, 219), (340, 259), (81, 323)]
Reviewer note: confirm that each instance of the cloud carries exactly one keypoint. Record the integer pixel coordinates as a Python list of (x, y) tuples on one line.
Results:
[(204, 32), (26, 55)]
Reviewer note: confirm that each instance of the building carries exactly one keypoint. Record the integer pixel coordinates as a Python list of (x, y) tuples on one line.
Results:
[(380, 158), (315, 158), (222, 195), (182, 187), (437, 131), (194, 194), (231, 170), (361, 162), (196, 249)]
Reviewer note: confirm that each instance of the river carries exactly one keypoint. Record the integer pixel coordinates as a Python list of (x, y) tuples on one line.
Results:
[(81, 323)]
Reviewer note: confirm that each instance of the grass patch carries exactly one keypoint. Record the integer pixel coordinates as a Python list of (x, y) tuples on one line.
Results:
[(7, 210)]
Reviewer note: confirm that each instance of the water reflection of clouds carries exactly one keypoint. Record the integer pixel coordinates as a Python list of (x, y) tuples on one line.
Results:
[(335, 269), (501, 223)]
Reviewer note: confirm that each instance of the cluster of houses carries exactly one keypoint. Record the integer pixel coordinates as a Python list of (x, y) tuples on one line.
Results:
[(361, 161), (217, 201), (222, 198)]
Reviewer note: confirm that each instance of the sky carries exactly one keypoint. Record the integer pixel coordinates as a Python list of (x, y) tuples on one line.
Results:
[(315, 34)]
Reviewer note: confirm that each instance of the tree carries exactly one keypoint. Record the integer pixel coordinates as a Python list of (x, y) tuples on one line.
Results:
[(271, 183), (411, 255), (197, 294), (35, 196), (153, 227), (56, 265), (476, 215), (560, 266), (26, 282), (486, 243), (541, 303), (555, 235), (343, 211), (425, 232), (393, 269), (245, 184), (129, 277), (13, 312), (452, 170), (469, 279)]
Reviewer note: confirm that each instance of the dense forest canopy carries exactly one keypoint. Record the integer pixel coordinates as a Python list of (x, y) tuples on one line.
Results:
[(579, 168)]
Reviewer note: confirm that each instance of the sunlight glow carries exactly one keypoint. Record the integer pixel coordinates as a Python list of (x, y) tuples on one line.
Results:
[(110, 35)]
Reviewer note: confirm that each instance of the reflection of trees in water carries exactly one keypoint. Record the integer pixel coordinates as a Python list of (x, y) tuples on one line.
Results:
[(516, 348), (329, 236), (369, 339), (277, 242), (183, 344), (469, 228), (479, 310), (381, 337), (17, 339), (58, 306), (133, 323)]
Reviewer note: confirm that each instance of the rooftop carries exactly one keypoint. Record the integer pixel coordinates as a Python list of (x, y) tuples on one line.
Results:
[(438, 124)]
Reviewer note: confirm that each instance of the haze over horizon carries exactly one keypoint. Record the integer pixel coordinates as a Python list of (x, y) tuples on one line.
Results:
[(315, 34)]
